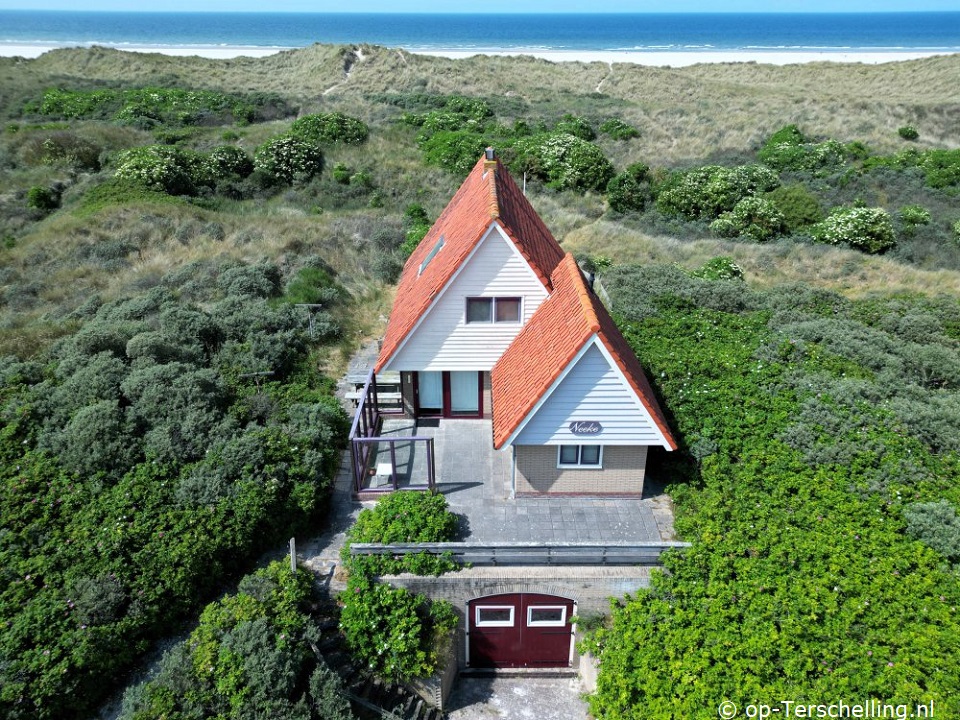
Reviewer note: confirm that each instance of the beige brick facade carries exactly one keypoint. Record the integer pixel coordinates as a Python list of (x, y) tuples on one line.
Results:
[(622, 472)]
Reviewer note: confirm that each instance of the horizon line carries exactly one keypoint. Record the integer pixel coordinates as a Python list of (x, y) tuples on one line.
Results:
[(491, 13)]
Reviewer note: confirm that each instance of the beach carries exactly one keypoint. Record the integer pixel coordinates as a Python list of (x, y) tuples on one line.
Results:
[(674, 58)]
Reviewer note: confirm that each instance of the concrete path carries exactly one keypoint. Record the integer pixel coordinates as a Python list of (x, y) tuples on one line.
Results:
[(517, 698)]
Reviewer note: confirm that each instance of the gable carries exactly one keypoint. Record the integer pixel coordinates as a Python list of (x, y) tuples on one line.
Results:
[(442, 340), (487, 195), (592, 389)]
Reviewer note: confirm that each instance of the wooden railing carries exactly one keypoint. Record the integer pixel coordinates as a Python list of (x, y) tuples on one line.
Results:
[(364, 439), (531, 553)]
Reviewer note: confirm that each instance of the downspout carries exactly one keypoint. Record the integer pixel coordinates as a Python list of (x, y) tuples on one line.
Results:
[(513, 472)]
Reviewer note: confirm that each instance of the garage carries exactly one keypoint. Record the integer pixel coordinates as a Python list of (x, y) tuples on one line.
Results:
[(517, 630)]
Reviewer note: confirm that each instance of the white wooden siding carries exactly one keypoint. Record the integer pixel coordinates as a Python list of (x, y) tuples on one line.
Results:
[(592, 389), (443, 340)]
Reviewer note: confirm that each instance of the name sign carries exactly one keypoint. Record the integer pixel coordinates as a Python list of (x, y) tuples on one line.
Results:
[(586, 427)]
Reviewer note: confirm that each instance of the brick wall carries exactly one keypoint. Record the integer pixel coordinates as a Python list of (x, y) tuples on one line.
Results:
[(622, 472)]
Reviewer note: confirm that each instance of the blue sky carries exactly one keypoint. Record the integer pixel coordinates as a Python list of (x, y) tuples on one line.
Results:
[(479, 6)]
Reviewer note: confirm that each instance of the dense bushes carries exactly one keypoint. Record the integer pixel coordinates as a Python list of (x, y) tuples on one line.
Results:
[(396, 633), (330, 128), (705, 193), (789, 149), (564, 161), (141, 466), (820, 472), (160, 106), (250, 655), (289, 158), (867, 229)]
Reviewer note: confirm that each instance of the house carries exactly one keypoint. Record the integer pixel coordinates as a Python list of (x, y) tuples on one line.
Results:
[(493, 320)]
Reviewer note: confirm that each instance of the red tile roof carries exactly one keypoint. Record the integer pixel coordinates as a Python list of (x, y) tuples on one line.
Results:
[(558, 330), (488, 195)]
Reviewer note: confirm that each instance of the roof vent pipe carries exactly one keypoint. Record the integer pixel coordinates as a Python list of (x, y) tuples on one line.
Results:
[(491, 154)]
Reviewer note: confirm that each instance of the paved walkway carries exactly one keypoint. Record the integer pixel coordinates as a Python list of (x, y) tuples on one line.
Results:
[(517, 698)]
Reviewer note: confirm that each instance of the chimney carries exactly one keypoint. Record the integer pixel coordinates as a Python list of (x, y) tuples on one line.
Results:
[(489, 160)]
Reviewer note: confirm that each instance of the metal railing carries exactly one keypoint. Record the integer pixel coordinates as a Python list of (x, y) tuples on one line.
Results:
[(531, 553), (365, 438)]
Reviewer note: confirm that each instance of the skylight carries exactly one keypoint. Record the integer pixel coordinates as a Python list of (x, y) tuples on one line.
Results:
[(430, 255)]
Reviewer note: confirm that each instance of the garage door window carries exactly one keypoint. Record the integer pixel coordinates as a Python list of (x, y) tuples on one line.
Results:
[(546, 616), (495, 616)]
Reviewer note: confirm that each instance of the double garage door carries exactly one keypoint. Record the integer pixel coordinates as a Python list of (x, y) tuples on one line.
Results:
[(520, 630)]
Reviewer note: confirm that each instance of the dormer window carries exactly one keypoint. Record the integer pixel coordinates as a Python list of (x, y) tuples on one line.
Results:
[(430, 255)]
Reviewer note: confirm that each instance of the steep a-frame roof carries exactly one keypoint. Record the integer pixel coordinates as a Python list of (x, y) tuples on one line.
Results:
[(488, 195), (543, 350)]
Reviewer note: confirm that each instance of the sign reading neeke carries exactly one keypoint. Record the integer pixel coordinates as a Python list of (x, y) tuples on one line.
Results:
[(586, 427)]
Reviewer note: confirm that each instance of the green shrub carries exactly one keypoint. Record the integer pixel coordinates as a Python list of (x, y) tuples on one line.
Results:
[(565, 162), (62, 149), (289, 158), (867, 229), (914, 215), (43, 198), (705, 193), (330, 129), (402, 517), (799, 207), (753, 217), (908, 132), (164, 168), (228, 161), (719, 268), (576, 126), (789, 149), (456, 151), (392, 631), (341, 173), (935, 524), (618, 129), (629, 191)]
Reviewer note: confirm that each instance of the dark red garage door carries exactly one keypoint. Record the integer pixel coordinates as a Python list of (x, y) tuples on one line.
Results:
[(519, 630)]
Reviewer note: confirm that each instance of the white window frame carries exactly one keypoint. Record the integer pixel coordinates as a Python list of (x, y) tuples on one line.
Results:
[(493, 623), (579, 465), (493, 310), (547, 623)]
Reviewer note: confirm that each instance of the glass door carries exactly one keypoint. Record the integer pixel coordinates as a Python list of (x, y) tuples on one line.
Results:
[(465, 393), (430, 392)]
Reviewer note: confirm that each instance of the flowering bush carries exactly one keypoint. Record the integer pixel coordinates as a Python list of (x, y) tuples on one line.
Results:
[(867, 229), (565, 161), (162, 167), (719, 268), (330, 128), (752, 217), (289, 158), (226, 160), (704, 193)]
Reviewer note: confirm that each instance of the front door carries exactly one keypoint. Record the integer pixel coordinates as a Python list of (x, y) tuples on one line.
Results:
[(519, 630)]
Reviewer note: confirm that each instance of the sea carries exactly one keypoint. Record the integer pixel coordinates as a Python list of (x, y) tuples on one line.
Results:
[(935, 32)]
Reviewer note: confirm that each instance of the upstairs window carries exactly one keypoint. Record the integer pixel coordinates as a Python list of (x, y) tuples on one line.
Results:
[(490, 310)]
